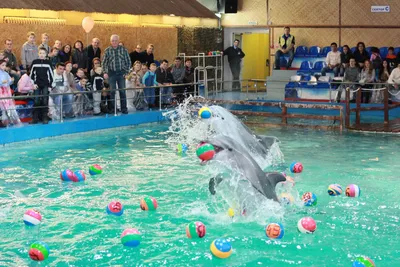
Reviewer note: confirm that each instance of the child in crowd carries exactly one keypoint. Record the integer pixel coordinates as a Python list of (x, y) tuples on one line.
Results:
[(9, 114), (149, 79), (26, 84), (42, 76), (134, 81), (45, 43), (82, 102), (352, 75), (98, 87), (60, 86), (143, 70), (391, 59), (70, 76), (367, 77), (53, 57), (79, 75), (29, 51), (376, 61), (95, 63)]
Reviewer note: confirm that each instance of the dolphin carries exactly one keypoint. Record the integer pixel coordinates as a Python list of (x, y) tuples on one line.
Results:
[(230, 151)]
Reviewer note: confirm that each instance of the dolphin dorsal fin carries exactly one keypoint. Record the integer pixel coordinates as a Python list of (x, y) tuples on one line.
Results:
[(274, 178)]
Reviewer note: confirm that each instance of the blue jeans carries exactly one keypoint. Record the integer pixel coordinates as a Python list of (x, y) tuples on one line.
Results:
[(280, 54), (150, 95), (117, 79), (327, 69), (67, 101), (166, 95)]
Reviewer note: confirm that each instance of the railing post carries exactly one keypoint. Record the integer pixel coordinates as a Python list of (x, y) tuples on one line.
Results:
[(61, 108), (347, 118), (160, 99), (284, 113), (358, 107), (341, 118), (386, 109), (115, 102), (247, 90)]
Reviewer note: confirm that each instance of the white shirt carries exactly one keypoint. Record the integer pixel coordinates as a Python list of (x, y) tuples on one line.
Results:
[(394, 77), (333, 58)]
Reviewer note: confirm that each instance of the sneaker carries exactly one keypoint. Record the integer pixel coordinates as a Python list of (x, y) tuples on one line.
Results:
[(46, 120), (124, 112), (98, 114)]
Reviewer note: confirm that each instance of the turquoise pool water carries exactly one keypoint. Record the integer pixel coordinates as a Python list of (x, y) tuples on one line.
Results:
[(138, 163)]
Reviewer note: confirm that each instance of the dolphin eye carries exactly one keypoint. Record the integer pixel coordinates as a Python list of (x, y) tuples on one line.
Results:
[(230, 149)]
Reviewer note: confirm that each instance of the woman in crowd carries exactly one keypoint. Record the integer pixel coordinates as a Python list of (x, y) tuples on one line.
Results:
[(79, 57), (65, 53), (361, 55), (367, 77), (345, 59)]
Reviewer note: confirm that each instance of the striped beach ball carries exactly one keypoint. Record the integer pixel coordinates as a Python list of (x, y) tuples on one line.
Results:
[(39, 251), (195, 230), (148, 203), (352, 190), (32, 217), (296, 167), (95, 169), (335, 190), (80, 175), (363, 262), (131, 237), (115, 208), (205, 113), (205, 151), (68, 176)]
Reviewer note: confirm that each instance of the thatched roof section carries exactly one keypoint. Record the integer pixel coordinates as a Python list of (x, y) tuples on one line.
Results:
[(184, 8)]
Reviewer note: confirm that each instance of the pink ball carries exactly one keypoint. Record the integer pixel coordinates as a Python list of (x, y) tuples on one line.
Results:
[(307, 225), (32, 217), (296, 167)]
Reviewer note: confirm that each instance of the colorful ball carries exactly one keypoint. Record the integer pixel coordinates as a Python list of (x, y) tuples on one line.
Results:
[(205, 113), (148, 203), (363, 262), (195, 230), (205, 152), (221, 248), (39, 251), (309, 199), (334, 189), (131, 237), (286, 198), (274, 230), (115, 208), (307, 225), (296, 167), (68, 176), (80, 175), (95, 169), (32, 217), (181, 148), (353, 190)]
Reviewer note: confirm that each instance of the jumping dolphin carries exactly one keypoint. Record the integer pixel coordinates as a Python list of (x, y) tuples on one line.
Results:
[(231, 152)]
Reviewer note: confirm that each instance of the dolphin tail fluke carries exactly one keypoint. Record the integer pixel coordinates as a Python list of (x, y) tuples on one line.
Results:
[(268, 140), (274, 178), (215, 181)]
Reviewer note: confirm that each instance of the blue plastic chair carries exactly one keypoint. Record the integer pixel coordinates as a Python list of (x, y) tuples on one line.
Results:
[(325, 51), (318, 65), (313, 51), (396, 50), (157, 63), (301, 51), (368, 49), (305, 68), (340, 49), (383, 51), (353, 49)]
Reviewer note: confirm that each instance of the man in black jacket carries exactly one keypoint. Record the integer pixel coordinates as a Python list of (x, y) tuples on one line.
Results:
[(42, 76), (147, 56), (235, 55), (135, 55), (93, 51)]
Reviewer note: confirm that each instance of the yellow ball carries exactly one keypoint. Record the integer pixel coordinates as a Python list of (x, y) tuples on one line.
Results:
[(221, 248), (205, 113), (231, 212)]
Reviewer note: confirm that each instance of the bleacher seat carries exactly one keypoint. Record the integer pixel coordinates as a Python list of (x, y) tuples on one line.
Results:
[(301, 51), (383, 51), (325, 51), (368, 49), (157, 63), (305, 67), (396, 50), (313, 51), (353, 49), (318, 65), (340, 49)]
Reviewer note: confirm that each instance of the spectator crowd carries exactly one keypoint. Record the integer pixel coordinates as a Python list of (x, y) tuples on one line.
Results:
[(69, 81)]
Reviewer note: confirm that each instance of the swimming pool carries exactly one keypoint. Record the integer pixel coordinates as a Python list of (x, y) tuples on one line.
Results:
[(138, 163)]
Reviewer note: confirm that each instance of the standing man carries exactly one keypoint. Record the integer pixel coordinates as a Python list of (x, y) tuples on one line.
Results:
[(92, 51), (286, 47), (147, 56), (135, 55), (12, 61), (235, 55), (116, 64)]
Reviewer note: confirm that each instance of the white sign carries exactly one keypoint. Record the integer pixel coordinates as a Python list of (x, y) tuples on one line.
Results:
[(253, 22), (380, 9)]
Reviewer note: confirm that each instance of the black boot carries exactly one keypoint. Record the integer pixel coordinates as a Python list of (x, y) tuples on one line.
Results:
[(35, 116)]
